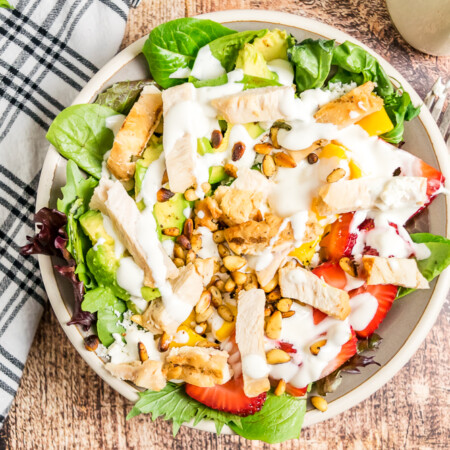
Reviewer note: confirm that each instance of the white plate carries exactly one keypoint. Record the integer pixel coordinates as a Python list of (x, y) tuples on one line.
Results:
[(409, 320)]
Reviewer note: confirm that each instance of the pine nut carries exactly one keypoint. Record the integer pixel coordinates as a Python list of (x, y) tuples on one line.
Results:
[(207, 344), (163, 195), (230, 285), (220, 284), (179, 252), (178, 262), (287, 314), (273, 326), (216, 296), (190, 195), (184, 242), (188, 228), (190, 256), (234, 263), (315, 348), (143, 355), (218, 236), (284, 305), (223, 251), (196, 242), (251, 283), (336, 175), (277, 356), (203, 317), (239, 278), (225, 313), (164, 342), (274, 137), (281, 388), (171, 231), (319, 403), (268, 166), (348, 266), (263, 149), (91, 343), (283, 159), (230, 170), (203, 302), (274, 295), (271, 285)]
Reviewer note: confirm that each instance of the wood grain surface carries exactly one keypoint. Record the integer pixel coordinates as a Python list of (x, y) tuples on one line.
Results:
[(62, 403)]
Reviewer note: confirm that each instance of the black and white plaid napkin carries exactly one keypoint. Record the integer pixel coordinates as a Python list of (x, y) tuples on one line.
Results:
[(49, 49)]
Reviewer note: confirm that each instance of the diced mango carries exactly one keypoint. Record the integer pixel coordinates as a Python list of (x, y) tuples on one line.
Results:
[(355, 171), (333, 150), (227, 328), (376, 123), (193, 337), (305, 252)]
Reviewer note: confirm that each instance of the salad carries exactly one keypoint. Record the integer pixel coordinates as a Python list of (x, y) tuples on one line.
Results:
[(234, 229)]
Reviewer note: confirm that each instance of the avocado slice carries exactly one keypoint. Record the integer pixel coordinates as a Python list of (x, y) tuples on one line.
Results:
[(170, 214), (252, 62), (254, 129), (151, 153), (216, 174), (92, 224), (204, 146), (274, 44)]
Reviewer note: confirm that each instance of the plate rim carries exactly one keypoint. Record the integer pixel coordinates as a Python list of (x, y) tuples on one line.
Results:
[(436, 300)]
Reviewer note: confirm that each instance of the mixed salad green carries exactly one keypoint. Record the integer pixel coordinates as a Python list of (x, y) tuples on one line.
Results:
[(82, 135)]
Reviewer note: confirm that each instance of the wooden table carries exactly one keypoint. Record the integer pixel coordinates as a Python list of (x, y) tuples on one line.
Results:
[(62, 403)]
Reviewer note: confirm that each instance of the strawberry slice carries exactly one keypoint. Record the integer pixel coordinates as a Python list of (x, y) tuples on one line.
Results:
[(434, 177), (347, 351), (385, 295), (332, 274), (296, 392), (339, 241), (228, 397)]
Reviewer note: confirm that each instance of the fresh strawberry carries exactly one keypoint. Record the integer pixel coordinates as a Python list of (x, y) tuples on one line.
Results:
[(318, 316), (347, 351), (434, 177), (296, 392), (286, 347), (385, 295), (332, 274), (338, 242), (228, 397)]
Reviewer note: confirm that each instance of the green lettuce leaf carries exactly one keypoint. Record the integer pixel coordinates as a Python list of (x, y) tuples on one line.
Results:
[(6, 4), (280, 419), (226, 48), (312, 62), (174, 404), (80, 134), (175, 44), (400, 109), (121, 96), (439, 259), (249, 82), (357, 61), (75, 201), (97, 299), (108, 319)]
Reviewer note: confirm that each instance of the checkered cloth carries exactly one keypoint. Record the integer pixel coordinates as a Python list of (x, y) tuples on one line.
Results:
[(49, 49)]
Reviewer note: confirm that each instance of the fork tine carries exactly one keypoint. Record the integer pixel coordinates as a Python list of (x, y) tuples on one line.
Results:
[(445, 123), (431, 96)]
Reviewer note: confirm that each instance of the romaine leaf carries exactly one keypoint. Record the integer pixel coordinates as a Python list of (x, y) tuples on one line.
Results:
[(312, 62), (80, 134), (107, 322), (356, 60), (439, 259), (226, 48), (121, 96), (97, 299), (175, 44), (400, 109), (174, 404), (280, 419), (6, 4), (249, 82)]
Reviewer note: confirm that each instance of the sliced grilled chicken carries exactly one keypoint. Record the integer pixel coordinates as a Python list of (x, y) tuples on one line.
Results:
[(147, 374), (135, 132)]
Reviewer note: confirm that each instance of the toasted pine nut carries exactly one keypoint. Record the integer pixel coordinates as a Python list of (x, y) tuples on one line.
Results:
[(213, 280), (216, 266), (179, 252), (223, 251), (315, 348), (203, 317), (319, 403), (273, 326), (190, 256), (234, 263), (218, 236), (274, 295), (230, 285), (271, 285), (188, 228), (336, 175), (251, 283), (281, 388), (267, 312), (178, 262), (223, 269), (190, 195), (287, 314), (284, 305), (203, 302), (283, 159), (164, 342), (277, 356), (348, 266), (239, 278), (230, 170), (171, 231), (208, 344), (163, 195), (184, 242), (268, 166), (91, 343), (220, 284), (225, 313), (196, 242), (264, 148), (143, 355), (216, 296), (274, 137)]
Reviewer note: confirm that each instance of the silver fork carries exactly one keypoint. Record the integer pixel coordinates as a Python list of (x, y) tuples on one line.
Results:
[(435, 102)]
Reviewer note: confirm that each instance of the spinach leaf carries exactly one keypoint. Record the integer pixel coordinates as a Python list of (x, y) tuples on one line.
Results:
[(174, 404), (312, 62), (76, 196), (80, 134), (226, 48), (439, 259), (97, 299), (249, 82), (356, 60), (107, 322), (175, 44), (122, 95), (280, 419), (400, 109), (6, 4)]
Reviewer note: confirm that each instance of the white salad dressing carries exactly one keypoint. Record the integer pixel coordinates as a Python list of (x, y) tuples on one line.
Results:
[(284, 70), (99, 242), (168, 246), (209, 248), (255, 366), (119, 248), (364, 306), (130, 276), (114, 123), (182, 72), (206, 65)]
